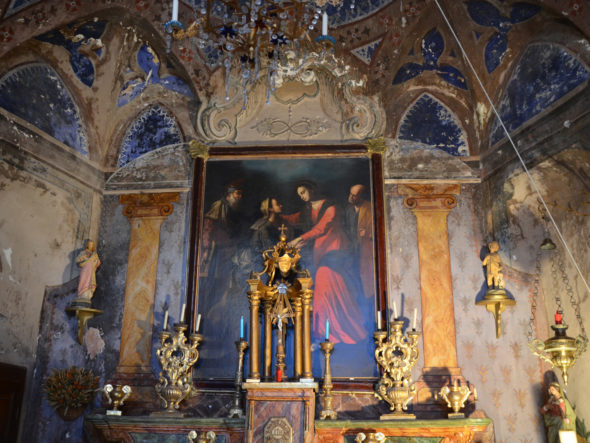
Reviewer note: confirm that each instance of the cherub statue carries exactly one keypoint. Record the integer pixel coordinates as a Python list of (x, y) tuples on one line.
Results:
[(493, 264), (88, 261)]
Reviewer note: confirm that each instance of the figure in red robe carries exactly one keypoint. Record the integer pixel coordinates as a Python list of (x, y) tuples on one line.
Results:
[(335, 285)]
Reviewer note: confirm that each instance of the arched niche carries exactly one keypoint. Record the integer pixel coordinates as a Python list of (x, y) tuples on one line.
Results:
[(429, 122), (150, 130)]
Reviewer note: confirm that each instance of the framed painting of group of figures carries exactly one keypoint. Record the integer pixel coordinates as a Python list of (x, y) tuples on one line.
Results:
[(327, 206)]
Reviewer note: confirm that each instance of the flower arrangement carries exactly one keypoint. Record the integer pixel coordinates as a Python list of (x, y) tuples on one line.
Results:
[(70, 388)]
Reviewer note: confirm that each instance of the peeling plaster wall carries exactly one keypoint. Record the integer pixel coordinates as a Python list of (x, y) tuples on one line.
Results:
[(505, 373), (563, 181), (45, 218)]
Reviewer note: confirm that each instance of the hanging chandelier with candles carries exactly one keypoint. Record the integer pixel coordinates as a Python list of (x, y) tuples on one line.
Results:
[(256, 37)]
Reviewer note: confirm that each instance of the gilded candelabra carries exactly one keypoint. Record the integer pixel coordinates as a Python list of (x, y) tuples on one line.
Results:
[(177, 358), (236, 411), (397, 356), (327, 400), (116, 396), (455, 397)]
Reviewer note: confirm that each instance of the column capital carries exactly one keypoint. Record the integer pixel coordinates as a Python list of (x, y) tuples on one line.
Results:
[(148, 205), (430, 197)]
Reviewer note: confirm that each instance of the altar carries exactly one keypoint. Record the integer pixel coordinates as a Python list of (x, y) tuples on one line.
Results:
[(104, 428)]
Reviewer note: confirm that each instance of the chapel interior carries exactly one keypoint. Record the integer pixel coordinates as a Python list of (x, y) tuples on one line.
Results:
[(464, 123)]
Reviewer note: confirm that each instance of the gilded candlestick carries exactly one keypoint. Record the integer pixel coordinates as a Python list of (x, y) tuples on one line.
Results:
[(397, 356), (177, 357), (236, 411), (327, 348)]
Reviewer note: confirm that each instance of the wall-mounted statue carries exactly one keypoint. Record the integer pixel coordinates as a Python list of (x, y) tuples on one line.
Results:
[(88, 262), (493, 264), (496, 298)]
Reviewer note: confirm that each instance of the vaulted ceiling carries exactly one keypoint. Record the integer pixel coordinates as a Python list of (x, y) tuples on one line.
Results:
[(421, 58)]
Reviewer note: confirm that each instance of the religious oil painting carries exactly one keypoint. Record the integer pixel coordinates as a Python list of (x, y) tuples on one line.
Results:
[(325, 207)]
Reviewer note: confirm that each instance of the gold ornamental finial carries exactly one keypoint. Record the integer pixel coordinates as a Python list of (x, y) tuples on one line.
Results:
[(198, 149), (376, 145)]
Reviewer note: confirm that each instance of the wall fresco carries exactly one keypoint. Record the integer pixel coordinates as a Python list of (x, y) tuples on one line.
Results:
[(544, 74), (35, 93)]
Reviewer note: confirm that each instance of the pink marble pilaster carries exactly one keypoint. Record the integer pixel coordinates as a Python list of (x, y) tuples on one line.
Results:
[(431, 204), (146, 213)]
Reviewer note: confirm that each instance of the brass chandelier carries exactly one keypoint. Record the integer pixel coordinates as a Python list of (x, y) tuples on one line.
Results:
[(255, 38)]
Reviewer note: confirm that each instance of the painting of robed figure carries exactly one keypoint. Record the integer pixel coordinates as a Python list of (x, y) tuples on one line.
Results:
[(325, 207)]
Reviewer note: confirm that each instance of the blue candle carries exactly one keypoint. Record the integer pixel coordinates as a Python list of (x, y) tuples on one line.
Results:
[(327, 330), (242, 327)]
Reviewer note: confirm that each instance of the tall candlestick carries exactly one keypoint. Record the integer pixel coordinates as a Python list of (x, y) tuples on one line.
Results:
[(325, 23), (182, 313), (174, 9), (394, 311), (198, 322), (378, 320), (415, 315), (166, 320), (327, 330), (242, 327)]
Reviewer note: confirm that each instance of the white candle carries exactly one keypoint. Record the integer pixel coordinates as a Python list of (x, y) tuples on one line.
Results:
[(166, 320), (415, 315), (394, 311), (182, 313), (325, 23), (174, 9), (378, 321), (198, 322)]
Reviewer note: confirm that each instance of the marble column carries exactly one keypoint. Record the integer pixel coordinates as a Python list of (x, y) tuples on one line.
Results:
[(431, 204), (146, 213)]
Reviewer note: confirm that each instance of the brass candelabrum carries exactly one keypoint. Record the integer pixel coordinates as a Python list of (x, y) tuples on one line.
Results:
[(116, 396), (397, 356), (177, 357), (328, 411), (455, 397), (236, 411)]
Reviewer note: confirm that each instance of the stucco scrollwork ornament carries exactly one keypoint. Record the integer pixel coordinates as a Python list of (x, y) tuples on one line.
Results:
[(304, 77), (306, 127)]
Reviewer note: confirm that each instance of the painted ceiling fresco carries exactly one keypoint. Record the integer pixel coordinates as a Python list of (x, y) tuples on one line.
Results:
[(402, 49), (35, 93)]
